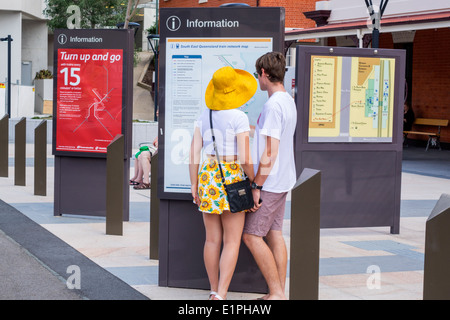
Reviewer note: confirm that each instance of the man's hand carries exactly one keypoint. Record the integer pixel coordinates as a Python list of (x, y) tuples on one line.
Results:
[(256, 198)]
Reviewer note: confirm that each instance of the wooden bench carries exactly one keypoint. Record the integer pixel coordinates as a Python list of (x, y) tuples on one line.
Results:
[(431, 135)]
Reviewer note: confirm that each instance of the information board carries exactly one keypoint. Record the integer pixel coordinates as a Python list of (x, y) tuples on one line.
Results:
[(92, 105), (89, 86), (194, 43), (351, 99), (349, 126)]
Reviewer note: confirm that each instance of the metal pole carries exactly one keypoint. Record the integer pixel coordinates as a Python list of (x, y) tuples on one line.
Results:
[(8, 92), (4, 145), (305, 237), (376, 20), (114, 186), (9, 76), (436, 282), (20, 152), (155, 50), (40, 159), (156, 64), (156, 85)]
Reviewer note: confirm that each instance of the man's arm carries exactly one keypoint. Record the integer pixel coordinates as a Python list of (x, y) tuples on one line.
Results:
[(266, 164)]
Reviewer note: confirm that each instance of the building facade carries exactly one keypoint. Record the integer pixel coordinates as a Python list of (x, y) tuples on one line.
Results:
[(24, 21)]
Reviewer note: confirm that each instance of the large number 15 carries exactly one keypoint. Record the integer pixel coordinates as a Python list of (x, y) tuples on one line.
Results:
[(73, 75)]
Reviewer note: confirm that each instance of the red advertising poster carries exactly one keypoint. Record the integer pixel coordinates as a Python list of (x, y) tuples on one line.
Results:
[(89, 99)]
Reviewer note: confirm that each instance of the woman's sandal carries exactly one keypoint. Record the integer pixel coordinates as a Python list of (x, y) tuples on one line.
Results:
[(142, 186), (133, 183), (212, 294)]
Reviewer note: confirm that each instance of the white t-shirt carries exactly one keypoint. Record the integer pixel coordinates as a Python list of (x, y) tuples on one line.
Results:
[(278, 119), (226, 124)]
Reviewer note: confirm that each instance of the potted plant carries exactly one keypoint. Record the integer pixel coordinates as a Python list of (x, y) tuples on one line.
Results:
[(43, 86)]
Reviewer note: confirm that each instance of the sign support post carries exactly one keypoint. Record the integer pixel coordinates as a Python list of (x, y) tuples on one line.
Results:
[(194, 43)]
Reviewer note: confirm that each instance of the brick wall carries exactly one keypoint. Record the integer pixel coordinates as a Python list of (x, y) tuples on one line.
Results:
[(431, 76), (294, 11)]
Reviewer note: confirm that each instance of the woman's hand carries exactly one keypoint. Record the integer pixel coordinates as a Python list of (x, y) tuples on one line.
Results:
[(194, 191)]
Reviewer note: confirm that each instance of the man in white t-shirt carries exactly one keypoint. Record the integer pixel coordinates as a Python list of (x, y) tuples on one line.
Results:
[(273, 151)]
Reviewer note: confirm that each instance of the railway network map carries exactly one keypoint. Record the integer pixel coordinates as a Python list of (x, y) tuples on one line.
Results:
[(351, 99)]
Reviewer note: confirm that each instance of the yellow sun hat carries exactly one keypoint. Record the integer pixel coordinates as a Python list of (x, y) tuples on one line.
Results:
[(229, 89)]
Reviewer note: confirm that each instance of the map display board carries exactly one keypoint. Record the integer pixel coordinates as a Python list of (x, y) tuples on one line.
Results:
[(350, 127), (351, 99), (191, 63)]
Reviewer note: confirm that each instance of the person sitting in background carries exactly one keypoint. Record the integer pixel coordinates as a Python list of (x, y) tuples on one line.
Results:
[(142, 166), (408, 117)]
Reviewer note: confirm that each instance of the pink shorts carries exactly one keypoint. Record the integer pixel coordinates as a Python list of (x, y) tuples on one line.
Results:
[(269, 216)]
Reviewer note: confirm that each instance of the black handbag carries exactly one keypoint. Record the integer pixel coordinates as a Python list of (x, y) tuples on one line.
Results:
[(239, 194)]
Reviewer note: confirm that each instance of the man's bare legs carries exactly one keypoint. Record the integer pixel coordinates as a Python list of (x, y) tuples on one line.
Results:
[(272, 264), (277, 245)]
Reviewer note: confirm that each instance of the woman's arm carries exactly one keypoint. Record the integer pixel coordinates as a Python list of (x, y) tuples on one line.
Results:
[(194, 162)]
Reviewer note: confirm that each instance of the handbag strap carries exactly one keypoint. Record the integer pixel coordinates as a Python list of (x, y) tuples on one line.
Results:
[(215, 145)]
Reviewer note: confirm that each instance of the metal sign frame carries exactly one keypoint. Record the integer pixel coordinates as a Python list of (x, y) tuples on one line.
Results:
[(80, 177), (361, 181)]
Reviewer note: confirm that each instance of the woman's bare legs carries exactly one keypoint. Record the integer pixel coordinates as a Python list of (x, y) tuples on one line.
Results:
[(220, 267), (233, 224), (211, 250)]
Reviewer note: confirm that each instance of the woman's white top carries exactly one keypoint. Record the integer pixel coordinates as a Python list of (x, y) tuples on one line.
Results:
[(227, 124)]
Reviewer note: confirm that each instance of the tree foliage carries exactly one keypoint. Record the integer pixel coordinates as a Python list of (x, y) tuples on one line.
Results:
[(93, 13)]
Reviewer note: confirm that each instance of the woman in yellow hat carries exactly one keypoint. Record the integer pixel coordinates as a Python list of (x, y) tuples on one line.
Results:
[(228, 90)]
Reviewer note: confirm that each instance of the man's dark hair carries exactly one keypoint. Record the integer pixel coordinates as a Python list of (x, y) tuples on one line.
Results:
[(274, 64)]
